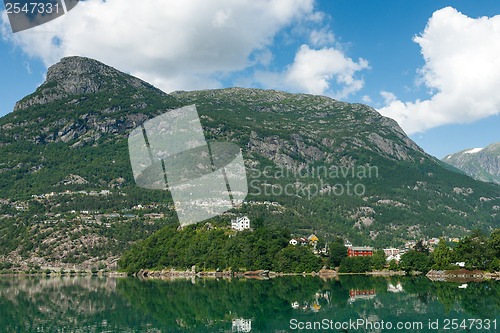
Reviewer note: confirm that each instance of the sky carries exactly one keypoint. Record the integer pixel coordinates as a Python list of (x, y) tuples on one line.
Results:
[(432, 65)]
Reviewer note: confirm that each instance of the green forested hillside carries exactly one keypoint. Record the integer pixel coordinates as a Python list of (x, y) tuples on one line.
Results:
[(220, 249), (67, 142)]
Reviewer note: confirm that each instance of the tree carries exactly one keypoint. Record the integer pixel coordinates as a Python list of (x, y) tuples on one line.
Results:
[(378, 259), (338, 252), (355, 265), (415, 261), (474, 252), (495, 265), (258, 222), (296, 259), (443, 255), (393, 265), (494, 243), (420, 247)]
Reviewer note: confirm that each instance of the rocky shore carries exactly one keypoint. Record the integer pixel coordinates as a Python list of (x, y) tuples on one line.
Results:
[(257, 274), (462, 275), (459, 275), (262, 274), (386, 273)]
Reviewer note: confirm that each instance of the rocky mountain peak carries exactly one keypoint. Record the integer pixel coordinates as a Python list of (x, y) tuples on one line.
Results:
[(479, 163), (77, 75), (80, 76)]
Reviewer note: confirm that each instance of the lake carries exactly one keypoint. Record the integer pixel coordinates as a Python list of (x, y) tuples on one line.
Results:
[(287, 304)]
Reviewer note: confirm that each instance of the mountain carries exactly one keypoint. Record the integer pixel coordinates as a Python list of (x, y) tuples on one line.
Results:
[(314, 165), (480, 163)]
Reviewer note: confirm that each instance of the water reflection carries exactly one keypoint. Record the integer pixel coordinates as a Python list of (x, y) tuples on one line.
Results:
[(84, 304), (361, 294)]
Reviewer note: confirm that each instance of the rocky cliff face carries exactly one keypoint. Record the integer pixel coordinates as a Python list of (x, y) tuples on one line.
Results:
[(312, 123), (80, 101), (480, 163)]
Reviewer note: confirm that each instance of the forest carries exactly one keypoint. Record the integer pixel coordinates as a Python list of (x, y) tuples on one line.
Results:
[(220, 248), (476, 251)]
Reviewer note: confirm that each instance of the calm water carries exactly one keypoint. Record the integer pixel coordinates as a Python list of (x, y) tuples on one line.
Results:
[(84, 304)]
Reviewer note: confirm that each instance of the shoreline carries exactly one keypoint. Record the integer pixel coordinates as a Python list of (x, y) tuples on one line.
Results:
[(461, 275)]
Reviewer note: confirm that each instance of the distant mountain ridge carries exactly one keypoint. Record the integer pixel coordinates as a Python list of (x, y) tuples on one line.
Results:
[(480, 163), (68, 195)]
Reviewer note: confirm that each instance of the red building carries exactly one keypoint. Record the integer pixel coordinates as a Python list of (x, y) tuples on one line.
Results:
[(359, 251), (365, 292), (356, 294)]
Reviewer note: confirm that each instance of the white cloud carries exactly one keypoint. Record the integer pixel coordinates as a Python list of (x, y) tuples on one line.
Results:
[(191, 44), (185, 44), (388, 97), (322, 37), (367, 99), (462, 72), (325, 71)]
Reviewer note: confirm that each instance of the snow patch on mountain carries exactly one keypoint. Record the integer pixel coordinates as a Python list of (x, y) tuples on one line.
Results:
[(473, 151)]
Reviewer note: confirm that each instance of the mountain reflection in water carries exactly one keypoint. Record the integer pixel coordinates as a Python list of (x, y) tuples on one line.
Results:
[(91, 304)]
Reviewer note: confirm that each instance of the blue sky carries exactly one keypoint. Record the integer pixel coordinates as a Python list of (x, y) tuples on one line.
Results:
[(431, 65)]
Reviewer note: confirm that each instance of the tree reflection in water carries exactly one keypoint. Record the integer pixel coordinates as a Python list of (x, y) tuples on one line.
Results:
[(207, 305)]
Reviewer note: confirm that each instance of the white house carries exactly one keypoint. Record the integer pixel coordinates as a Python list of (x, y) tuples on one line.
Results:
[(433, 241), (391, 251), (293, 242), (242, 325), (241, 223), (391, 257)]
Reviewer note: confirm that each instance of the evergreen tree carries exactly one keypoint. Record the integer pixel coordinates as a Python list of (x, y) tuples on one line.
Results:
[(378, 259), (415, 261), (494, 243), (338, 252), (443, 256), (355, 265), (420, 247), (474, 252)]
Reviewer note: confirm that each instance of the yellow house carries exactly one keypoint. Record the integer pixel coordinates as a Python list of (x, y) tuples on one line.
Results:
[(312, 239)]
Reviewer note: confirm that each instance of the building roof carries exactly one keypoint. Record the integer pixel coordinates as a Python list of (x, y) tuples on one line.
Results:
[(361, 248)]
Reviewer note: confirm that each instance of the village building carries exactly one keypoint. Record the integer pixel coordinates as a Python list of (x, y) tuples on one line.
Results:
[(391, 257), (313, 239), (241, 223), (359, 251), (433, 241), (391, 251), (364, 294), (241, 325), (299, 241)]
